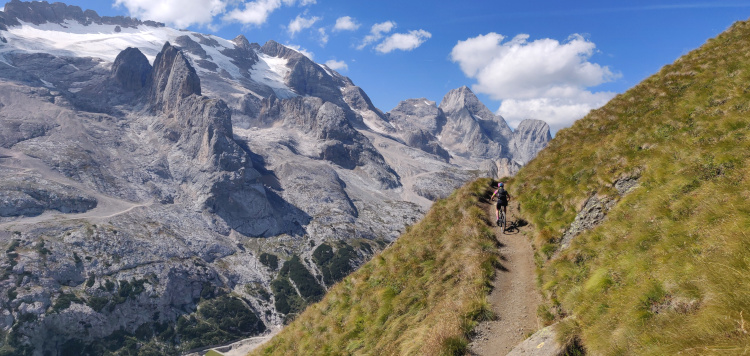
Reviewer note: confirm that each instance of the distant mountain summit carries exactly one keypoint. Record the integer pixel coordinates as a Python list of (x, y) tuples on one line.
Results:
[(461, 127), (156, 183)]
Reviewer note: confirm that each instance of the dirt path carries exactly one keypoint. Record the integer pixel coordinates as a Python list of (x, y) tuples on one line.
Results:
[(514, 298)]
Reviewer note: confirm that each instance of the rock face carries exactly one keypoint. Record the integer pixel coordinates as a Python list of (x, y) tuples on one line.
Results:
[(148, 200), (131, 69), (530, 137), (462, 127)]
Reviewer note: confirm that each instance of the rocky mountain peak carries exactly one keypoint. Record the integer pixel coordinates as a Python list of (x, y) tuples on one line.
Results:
[(535, 127), (131, 69), (242, 42), (418, 112), (172, 79), (40, 12), (464, 98), (530, 137), (275, 49)]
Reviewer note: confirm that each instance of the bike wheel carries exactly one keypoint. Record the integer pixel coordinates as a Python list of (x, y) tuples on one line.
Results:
[(502, 223)]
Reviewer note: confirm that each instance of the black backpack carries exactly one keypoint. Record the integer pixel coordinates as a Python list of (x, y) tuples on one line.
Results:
[(502, 195)]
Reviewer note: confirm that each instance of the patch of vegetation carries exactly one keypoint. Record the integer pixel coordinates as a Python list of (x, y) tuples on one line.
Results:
[(97, 303), (12, 294), (64, 301), (308, 287), (269, 260), (119, 343), (42, 250), (257, 290), (109, 285), (217, 321), (287, 299), (661, 274), (423, 295), (334, 266), (90, 281), (13, 246)]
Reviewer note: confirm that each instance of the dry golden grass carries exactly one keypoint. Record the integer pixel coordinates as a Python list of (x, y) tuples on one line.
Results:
[(421, 296)]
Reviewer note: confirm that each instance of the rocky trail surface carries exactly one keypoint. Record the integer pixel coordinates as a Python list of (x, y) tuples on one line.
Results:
[(514, 297)]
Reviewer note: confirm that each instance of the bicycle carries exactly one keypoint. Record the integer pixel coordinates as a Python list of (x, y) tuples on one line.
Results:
[(500, 222)]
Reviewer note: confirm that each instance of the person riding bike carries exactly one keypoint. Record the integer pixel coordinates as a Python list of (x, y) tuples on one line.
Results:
[(502, 201)]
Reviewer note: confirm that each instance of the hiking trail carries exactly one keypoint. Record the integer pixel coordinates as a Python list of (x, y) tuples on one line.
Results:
[(514, 297)]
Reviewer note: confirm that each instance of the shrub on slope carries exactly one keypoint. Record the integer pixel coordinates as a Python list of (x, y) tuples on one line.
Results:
[(422, 295), (668, 271)]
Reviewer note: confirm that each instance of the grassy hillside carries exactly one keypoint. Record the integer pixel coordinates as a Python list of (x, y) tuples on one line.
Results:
[(668, 271), (422, 295)]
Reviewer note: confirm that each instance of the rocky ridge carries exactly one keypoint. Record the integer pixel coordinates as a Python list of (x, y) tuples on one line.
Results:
[(462, 128)]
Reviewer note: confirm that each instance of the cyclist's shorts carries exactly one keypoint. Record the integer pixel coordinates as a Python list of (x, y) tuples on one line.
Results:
[(502, 203)]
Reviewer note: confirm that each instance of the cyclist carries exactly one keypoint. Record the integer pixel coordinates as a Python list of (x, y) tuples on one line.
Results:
[(502, 201)]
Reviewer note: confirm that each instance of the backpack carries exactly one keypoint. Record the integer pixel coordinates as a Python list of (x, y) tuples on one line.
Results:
[(502, 195)]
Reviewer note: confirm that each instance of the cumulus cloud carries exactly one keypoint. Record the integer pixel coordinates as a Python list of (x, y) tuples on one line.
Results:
[(345, 23), (337, 65), (184, 13), (255, 12), (180, 13), (403, 41), (557, 112), (377, 31), (300, 23), (543, 79)]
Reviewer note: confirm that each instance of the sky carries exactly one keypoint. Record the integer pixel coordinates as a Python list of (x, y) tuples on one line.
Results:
[(542, 59)]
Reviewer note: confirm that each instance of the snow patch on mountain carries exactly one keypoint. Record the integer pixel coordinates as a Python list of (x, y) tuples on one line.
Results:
[(271, 71), (73, 39)]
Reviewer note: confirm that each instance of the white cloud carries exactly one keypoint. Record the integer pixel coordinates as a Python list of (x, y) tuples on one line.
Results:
[(376, 33), (180, 13), (345, 23), (557, 112), (300, 23), (543, 79), (403, 41), (323, 36), (337, 65), (255, 12)]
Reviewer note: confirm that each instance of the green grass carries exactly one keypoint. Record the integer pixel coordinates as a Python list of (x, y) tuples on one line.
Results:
[(421, 296), (669, 270)]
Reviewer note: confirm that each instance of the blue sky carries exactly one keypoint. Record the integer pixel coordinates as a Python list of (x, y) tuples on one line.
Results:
[(545, 59)]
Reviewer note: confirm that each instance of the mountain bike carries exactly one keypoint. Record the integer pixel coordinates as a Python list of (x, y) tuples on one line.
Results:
[(501, 221)]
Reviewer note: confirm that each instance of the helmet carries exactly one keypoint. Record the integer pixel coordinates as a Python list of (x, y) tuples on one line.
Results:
[(499, 184)]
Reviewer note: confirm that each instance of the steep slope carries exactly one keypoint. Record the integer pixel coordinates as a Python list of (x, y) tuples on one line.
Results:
[(643, 210), (420, 296)]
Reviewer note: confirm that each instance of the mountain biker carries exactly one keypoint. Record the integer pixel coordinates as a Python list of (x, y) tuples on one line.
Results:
[(502, 201)]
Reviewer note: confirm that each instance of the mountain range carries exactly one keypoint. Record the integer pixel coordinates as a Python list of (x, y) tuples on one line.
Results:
[(156, 180)]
